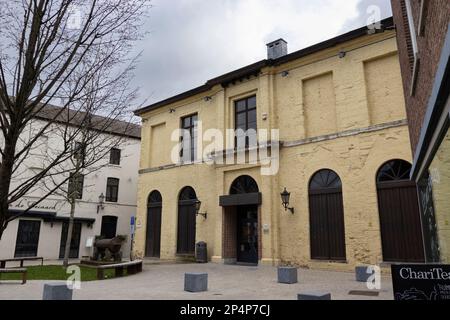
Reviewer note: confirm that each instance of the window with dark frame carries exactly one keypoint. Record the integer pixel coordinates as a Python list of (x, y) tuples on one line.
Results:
[(76, 185), (189, 138), (79, 151), (245, 119), (112, 190), (114, 156)]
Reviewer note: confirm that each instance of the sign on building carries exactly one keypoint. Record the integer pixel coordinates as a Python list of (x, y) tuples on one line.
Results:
[(421, 282)]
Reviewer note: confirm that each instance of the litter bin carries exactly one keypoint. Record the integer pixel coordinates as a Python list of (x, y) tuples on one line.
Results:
[(201, 253)]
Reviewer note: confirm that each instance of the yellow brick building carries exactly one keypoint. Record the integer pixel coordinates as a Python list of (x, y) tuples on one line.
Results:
[(340, 112)]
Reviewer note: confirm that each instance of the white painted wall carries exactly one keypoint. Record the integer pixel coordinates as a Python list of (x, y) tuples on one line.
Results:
[(95, 184)]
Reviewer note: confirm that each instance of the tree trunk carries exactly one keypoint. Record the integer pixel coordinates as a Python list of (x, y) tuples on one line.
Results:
[(69, 234), (6, 169)]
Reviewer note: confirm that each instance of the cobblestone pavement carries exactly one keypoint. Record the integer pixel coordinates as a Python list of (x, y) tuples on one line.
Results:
[(166, 281)]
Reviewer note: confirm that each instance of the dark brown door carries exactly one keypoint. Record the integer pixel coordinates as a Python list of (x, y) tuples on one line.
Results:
[(153, 247), (186, 222), (247, 234), (154, 211), (401, 232), (327, 231)]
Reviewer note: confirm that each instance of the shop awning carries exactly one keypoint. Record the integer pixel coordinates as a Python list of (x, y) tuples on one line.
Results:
[(246, 199), (49, 216)]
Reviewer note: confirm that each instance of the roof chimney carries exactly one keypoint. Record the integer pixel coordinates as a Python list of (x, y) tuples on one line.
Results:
[(277, 49)]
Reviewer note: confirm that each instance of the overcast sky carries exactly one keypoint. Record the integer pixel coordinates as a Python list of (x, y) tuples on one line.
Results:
[(191, 41)]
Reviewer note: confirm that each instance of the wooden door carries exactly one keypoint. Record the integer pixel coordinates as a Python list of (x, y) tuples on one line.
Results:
[(154, 212), (401, 232), (153, 243), (327, 230), (186, 222)]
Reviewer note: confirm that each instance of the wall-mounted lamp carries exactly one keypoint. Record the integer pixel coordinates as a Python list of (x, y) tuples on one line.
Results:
[(284, 74), (172, 110), (207, 98), (198, 205), (101, 202), (285, 197), (342, 54)]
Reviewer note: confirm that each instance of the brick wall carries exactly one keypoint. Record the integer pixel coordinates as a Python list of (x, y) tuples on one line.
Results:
[(430, 43)]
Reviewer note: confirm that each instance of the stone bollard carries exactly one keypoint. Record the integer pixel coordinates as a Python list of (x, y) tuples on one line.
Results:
[(310, 296), (287, 275), (195, 282), (57, 291), (362, 273)]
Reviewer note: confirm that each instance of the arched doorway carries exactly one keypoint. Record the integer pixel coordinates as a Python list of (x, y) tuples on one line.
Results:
[(240, 238), (326, 217), (153, 239), (401, 232), (186, 221), (247, 221)]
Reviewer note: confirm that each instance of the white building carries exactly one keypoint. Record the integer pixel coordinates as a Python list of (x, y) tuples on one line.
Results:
[(42, 231)]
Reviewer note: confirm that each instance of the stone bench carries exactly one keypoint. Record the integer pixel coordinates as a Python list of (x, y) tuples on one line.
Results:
[(287, 275), (57, 291), (310, 296), (23, 271), (362, 273), (133, 267), (195, 282)]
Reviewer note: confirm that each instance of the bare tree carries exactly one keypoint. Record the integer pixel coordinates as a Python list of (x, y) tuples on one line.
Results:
[(75, 52)]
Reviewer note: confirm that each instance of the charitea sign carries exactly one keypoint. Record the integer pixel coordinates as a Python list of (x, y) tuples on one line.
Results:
[(421, 282)]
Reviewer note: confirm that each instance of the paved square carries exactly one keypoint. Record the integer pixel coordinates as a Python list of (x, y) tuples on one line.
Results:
[(225, 282)]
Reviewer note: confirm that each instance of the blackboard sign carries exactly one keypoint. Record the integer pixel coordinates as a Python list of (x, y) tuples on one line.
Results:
[(421, 282)]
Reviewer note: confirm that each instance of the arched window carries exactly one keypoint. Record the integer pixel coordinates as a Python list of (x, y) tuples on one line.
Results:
[(401, 232), (244, 184), (154, 212), (395, 170), (187, 194), (186, 221), (326, 212), (325, 179), (154, 199)]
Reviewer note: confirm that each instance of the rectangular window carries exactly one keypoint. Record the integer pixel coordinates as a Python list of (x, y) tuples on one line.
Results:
[(79, 151), (188, 152), (76, 185), (112, 190), (245, 120), (114, 156), (27, 240)]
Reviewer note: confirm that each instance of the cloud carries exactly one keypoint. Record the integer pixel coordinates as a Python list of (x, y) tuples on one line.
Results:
[(191, 41), (369, 11)]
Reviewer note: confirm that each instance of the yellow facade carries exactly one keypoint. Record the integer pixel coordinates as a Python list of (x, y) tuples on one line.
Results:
[(344, 114)]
